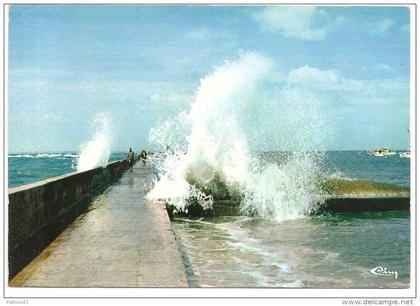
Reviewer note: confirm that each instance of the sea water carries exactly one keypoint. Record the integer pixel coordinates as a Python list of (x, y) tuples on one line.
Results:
[(328, 251), (222, 146), (96, 152), (32, 167)]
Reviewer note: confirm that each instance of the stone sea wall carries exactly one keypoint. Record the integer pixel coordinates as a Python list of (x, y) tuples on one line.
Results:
[(39, 212), (341, 195)]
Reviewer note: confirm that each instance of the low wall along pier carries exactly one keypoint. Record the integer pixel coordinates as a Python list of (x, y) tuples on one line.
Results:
[(340, 195), (39, 212), (121, 240)]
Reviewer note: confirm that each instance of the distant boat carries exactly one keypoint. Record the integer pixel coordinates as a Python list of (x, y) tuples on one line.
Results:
[(383, 152), (406, 154)]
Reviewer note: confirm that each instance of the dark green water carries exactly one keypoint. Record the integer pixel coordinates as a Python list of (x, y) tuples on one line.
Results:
[(336, 251), (29, 168), (324, 252)]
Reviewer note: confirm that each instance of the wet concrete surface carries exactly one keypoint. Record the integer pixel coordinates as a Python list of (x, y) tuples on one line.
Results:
[(123, 240)]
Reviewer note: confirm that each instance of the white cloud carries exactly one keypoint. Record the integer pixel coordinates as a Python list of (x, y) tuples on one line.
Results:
[(301, 22), (383, 67), (351, 89), (313, 23), (379, 27), (307, 74), (322, 79), (375, 109)]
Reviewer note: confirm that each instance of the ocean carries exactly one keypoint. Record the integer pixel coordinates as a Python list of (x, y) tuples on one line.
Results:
[(29, 168), (327, 251)]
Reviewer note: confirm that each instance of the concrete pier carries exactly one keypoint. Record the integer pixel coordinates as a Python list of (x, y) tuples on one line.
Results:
[(123, 240), (40, 211)]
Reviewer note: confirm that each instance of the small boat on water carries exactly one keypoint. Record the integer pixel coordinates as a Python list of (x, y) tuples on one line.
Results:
[(406, 154), (383, 152)]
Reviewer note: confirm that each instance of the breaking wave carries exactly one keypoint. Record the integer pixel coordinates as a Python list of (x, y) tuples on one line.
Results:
[(212, 151), (96, 152)]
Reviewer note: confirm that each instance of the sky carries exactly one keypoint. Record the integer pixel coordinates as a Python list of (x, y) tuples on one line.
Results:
[(143, 64)]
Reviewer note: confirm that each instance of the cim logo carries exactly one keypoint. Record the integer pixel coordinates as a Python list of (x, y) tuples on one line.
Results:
[(383, 271)]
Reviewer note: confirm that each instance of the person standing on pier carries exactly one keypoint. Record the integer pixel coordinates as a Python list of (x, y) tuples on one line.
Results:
[(143, 157), (130, 158)]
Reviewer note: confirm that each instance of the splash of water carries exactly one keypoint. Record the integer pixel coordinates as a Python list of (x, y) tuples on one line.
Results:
[(237, 110), (96, 152)]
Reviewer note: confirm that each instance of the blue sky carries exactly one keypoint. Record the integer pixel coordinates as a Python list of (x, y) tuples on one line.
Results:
[(143, 64)]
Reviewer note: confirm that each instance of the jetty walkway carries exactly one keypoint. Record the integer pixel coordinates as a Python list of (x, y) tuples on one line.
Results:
[(122, 240)]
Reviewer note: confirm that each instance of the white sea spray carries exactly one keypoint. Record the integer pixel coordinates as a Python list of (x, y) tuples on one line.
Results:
[(96, 152), (239, 108)]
